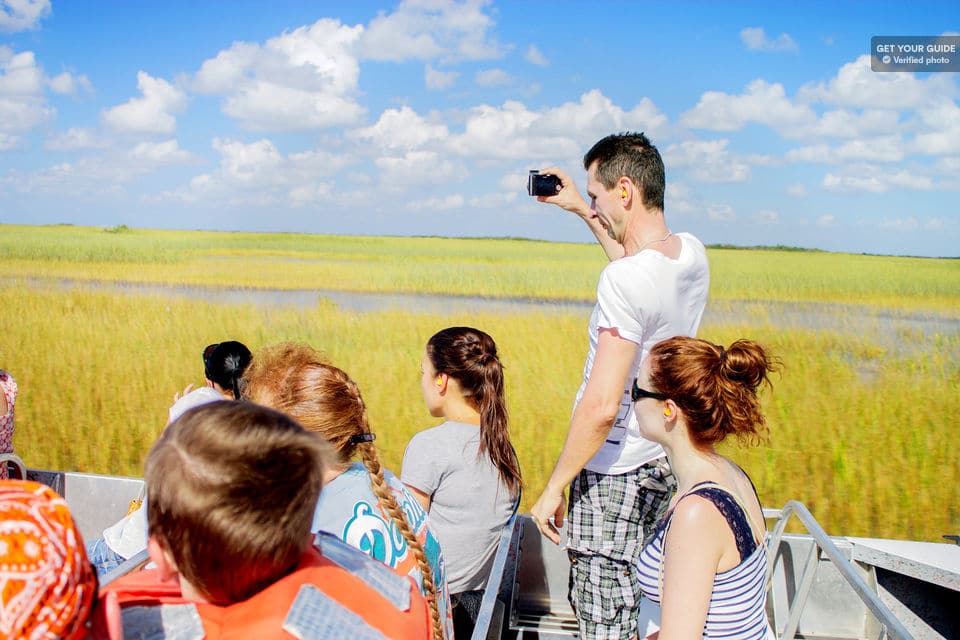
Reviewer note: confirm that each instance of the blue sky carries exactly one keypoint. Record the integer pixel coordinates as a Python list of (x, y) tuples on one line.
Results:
[(423, 117)]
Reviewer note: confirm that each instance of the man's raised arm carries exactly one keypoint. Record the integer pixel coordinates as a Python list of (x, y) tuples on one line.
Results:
[(570, 199)]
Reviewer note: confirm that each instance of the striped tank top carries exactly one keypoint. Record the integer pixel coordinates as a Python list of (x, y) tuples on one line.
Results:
[(737, 603)]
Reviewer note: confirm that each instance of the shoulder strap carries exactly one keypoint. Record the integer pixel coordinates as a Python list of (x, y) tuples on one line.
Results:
[(754, 528)]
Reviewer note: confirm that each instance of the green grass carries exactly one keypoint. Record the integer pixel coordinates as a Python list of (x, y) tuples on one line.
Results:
[(481, 267), (860, 433)]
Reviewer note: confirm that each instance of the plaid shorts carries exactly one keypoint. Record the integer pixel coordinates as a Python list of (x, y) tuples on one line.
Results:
[(610, 517)]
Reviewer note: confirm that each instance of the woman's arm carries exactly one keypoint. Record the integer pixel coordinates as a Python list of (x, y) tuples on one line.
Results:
[(422, 498), (695, 544)]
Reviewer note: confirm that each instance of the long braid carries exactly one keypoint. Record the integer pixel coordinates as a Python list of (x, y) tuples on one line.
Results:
[(294, 379), (371, 460)]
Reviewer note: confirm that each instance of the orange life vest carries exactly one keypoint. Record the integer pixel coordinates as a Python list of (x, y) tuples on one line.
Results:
[(329, 595)]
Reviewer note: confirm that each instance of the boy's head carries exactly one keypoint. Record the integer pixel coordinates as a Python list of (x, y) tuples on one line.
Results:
[(231, 490)]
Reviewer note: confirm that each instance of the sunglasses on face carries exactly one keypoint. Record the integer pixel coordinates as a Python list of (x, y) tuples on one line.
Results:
[(636, 393)]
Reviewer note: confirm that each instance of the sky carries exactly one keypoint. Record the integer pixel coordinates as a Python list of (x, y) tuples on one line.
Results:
[(423, 117)]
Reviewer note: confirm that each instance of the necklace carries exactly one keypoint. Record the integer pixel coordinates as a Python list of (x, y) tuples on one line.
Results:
[(654, 241)]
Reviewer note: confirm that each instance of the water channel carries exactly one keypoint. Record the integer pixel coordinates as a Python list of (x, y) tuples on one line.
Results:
[(888, 325)]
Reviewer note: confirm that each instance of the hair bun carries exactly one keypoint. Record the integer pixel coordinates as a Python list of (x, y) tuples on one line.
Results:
[(744, 362)]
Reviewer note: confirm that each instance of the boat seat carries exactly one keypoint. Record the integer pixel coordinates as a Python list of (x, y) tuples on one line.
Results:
[(16, 469)]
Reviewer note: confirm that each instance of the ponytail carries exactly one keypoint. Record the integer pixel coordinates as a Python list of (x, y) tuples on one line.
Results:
[(470, 356)]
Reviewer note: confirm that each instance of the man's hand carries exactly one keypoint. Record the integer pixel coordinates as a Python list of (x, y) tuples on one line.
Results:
[(568, 197), (548, 513)]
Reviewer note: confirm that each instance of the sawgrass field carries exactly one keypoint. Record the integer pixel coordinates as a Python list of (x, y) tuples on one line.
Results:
[(863, 419)]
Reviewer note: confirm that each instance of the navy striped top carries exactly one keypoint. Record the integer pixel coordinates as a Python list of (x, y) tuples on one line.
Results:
[(737, 603)]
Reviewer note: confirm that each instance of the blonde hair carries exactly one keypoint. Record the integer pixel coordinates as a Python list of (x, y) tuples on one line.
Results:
[(294, 378), (231, 489)]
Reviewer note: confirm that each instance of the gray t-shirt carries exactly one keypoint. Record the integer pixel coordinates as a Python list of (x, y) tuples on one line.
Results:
[(469, 504)]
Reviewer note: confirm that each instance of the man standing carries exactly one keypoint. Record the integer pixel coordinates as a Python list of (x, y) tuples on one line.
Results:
[(654, 287)]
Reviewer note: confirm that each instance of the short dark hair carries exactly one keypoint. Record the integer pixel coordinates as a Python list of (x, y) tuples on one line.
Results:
[(634, 156), (231, 490), (224, 363)]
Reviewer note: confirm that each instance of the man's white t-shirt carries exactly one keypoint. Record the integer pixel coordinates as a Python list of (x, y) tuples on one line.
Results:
[(647, 298)]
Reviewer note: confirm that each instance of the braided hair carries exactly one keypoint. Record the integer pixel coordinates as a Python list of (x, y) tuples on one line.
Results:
[(293, 378)]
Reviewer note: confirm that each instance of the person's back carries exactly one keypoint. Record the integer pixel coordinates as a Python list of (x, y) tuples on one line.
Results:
[(465, 471), (361, 502), (231, 492), (648, 297), (334, 587)]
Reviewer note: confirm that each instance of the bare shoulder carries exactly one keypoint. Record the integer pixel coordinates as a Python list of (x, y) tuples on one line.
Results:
[(696, 512)]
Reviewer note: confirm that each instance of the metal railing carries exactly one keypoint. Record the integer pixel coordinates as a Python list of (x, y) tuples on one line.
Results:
[(890, 626)]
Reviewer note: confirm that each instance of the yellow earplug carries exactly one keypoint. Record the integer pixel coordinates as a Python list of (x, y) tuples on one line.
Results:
[(667, 412)]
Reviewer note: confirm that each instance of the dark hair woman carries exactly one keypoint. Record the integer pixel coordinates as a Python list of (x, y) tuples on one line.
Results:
[(465, 472), (223, 366)]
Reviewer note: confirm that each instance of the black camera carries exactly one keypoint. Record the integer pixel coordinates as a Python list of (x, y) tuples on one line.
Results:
[(542, 184)]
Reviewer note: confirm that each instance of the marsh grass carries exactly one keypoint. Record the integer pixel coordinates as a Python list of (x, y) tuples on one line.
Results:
[(870, 454), (479, 267)]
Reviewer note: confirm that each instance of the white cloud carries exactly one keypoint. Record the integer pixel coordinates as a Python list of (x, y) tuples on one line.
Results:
[(721, 213), (797, 190), (151, 113), (414, 168), (826, 220), (404, 129), (22, 101), (765, 103), (19, 15), (768, 104), (160, 153), (767, 216), (301, 80), (93, 177), (308, 194), (258, 174), (514, 131), (756, 39), (707, 161), (900, 224), (841, 123), (492, 78), (875, 179), (496, 200), (431, 29), (880, 149), (74, 139), (535, 56), (8, 141), (435, 79), (857, 85), (69, 84), (445, 203), (939, 132)]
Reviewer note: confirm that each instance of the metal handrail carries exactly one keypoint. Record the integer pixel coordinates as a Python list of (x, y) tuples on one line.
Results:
[(892, 627)]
